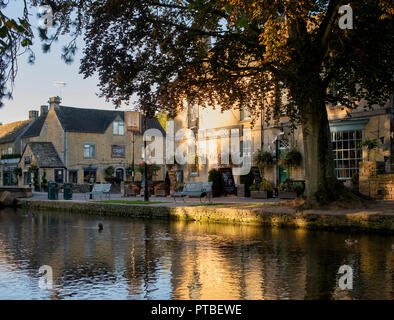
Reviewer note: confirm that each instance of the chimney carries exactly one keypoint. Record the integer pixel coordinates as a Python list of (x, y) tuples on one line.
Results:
[(33, 115), (54, 102), (44, 110)]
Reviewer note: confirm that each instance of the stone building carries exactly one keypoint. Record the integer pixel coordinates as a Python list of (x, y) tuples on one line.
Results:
[(348, 127), (87, 142), (12, 136)]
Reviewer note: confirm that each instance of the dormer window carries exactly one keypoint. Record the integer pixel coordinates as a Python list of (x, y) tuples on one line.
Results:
[(118, 128)]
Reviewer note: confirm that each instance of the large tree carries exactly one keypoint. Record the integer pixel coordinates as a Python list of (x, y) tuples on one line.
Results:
[(15, 39), (279, 55)]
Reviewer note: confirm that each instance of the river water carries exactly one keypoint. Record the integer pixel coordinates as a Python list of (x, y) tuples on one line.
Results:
[(159, 259)]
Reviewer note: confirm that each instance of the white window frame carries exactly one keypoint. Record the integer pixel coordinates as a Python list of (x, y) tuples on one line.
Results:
[(91, 156), (118, 128)]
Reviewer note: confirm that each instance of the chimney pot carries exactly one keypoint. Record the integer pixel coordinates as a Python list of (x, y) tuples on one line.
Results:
[(44, 110), (54, 102), (33, 115)]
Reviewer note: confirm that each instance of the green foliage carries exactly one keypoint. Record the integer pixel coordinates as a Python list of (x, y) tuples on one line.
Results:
[(254, 187), (292, 158), (263, 158), (129, 170), (152, 169), (214, 176), (10, 156), (35, 171), (179, 187), (265, 185), (291, 186), (18, 171), (263, 54), (15, 38), (109, 171), (44, 181), (370, 144)]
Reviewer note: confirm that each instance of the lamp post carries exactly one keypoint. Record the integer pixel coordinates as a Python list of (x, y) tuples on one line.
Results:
[(146, 189), (132, 164), (90, 182)]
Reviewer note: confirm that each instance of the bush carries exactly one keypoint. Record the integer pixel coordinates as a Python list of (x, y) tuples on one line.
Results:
[(292, 158), (18, 171), (291, 186), (214, 176), (254, 187), (44, 181), (265, 185), (179, 187), (109, 172), (10, 156)]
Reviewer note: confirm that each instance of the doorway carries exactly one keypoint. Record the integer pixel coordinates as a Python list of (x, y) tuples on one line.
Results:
[(120, 174)]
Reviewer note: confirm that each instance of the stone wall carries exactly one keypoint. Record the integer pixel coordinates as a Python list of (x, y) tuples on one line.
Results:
[(270, 216), (374, 185)]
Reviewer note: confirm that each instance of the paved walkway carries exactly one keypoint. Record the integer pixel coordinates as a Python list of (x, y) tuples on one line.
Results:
[(165, 201)]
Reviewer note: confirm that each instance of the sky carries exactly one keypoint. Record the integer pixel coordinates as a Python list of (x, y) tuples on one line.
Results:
[(34, 83)]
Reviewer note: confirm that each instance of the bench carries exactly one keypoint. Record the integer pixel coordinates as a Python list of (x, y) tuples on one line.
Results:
[(196, 189), (100, 189)]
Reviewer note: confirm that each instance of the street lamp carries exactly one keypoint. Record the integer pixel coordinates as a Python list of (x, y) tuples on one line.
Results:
[(133, 164), (146, 189)]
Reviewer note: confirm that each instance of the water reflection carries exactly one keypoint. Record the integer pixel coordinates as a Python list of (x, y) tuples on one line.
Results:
[(139, 259)]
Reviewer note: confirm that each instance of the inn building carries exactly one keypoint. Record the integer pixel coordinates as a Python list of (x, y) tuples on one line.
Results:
[(348, 129), (76, 145)]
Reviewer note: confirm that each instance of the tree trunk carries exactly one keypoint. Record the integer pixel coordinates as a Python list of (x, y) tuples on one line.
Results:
[(321, 183)]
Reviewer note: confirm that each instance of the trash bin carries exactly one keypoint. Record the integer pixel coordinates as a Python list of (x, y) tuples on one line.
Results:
[(68, 191), (53, 191)]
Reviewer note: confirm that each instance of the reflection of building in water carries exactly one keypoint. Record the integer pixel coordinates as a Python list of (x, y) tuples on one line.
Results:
[(159, 260)]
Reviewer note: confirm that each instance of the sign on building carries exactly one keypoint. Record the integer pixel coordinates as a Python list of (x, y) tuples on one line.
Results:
[(133, 121)]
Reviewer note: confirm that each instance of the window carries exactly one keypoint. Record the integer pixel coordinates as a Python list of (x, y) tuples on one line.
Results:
[(244, 114), (192, 115), (10, 150), (26, 178), (347, 152), (59, 176), (89, 175), (9, 177), (89, 151), (118, 128), (118, 152), (27, 160), (73, 176)]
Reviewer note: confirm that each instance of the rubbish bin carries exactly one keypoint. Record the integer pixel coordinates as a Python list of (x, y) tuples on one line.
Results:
[(53, 191), (68, 191)]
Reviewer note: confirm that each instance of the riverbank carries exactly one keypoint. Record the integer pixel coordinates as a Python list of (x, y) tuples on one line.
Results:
[(378, 219)]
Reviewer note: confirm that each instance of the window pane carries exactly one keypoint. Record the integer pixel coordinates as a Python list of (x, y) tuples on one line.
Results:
[(347, 153)]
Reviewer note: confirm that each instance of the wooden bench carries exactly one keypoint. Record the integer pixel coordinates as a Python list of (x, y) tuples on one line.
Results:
[(195, 189), (100, 189)]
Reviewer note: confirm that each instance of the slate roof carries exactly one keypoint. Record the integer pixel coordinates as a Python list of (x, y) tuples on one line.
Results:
[(93, 120), (45, 155), (9, 132), (35, 128)]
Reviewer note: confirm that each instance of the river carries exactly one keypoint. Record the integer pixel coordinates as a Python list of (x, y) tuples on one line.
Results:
[(160, 259)]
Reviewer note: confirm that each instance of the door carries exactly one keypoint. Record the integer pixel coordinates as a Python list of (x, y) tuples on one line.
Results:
[(283, 173), (120, 174)]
